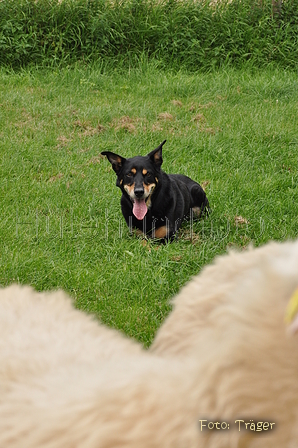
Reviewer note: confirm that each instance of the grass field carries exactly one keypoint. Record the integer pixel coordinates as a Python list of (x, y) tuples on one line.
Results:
[(61, 226)]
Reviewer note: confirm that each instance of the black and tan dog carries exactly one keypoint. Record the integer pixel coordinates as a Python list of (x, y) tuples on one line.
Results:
[(152, 201)]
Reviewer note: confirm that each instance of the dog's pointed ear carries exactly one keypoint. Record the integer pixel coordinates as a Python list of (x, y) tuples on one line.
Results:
[(156, 155), (116, 161)]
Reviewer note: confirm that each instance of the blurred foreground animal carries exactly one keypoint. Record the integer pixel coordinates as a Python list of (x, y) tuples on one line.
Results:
[(225, 358)]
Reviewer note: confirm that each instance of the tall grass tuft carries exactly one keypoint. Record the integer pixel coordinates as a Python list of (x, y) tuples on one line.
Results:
[(188, 33)]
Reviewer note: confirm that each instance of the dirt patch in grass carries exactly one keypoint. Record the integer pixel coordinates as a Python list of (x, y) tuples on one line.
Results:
[(86, 129)]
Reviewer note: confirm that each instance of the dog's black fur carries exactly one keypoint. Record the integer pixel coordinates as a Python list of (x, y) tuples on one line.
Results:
[(152, 201)]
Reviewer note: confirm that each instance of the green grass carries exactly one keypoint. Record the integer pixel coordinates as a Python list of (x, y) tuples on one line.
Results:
[(195, 34), (61, 225)]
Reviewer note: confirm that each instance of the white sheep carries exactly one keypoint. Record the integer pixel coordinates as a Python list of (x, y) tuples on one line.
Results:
[(224, 359)]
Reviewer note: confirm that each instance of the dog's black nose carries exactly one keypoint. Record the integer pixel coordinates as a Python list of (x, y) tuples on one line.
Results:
[(139, 192)]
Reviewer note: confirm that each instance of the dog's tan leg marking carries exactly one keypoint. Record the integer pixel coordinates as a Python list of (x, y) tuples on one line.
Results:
[(196, 211), (161, 232)]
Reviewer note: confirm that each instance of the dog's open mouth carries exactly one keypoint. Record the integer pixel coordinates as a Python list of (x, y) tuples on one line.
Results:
[(139, 208)]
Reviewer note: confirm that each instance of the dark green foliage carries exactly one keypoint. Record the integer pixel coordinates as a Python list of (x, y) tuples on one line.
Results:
[(185, 33)]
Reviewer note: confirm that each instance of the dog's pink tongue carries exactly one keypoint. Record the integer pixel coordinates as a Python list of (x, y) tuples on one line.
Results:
[(139, 209)]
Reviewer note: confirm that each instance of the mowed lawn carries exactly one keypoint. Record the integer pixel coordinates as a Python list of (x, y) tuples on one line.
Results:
[(235, 132)]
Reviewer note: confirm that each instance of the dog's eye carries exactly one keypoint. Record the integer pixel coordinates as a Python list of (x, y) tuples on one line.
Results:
[(129, 174), (148, 174)]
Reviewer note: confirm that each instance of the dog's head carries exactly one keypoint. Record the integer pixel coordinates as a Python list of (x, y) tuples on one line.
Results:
[(138, 177)]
